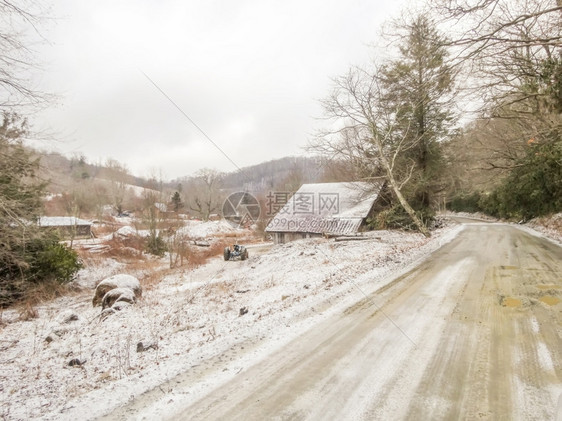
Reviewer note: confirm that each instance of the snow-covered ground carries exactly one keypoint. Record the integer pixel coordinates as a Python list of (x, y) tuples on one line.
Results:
[(550, 226), (204, 230), (195, 230), (190, 317)]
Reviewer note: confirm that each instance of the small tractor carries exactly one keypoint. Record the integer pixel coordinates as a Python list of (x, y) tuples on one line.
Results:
[(235, 252)]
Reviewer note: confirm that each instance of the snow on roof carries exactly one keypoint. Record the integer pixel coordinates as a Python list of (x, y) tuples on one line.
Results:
[(162, 207), (61, 221), (325, 207)]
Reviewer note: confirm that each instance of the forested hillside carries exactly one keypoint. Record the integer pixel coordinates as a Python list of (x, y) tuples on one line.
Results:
[(458, 119)]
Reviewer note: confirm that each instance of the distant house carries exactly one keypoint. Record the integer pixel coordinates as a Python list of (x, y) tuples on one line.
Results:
[(164, 211), (326, 208), (162, 207), (67, 226)]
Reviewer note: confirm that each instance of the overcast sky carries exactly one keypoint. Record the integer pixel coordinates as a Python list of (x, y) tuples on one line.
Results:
[(249, 73)]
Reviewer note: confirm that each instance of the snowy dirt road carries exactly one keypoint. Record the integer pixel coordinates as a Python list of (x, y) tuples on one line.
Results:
[(474, 332), (465, 325)]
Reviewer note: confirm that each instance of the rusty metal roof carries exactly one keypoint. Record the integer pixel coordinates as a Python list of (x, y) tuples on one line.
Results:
[(337, 208), (61, 221)]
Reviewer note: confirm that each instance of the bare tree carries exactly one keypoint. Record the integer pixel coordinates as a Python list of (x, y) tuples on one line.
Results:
[(117, 174), (505, 45), (391, 120), (511, 53), (204, 194), (153, 218), (365, 133), (292, 181), (484, 26), (177, 244), (18, 19)]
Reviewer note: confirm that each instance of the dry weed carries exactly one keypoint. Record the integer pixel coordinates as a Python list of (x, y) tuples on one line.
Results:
[(199, 256), (221, 289), (270, 283), (553, 222), (47, 291), (28, 312), (125, 248), (197, 259), (106, 227), (153, 276)]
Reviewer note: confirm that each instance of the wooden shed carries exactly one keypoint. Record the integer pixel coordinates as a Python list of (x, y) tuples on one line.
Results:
[(325, 208), (67, 226)]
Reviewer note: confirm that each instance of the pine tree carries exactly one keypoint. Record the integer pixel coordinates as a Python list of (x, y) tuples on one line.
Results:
[(28, 255), (419, 88), (20, 198), (176, 201)]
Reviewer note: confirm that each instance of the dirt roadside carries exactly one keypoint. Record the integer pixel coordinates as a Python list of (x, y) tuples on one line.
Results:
[(474, 332)]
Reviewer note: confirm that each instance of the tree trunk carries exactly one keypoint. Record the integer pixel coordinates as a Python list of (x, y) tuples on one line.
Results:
[(396, 188), (421, 227)]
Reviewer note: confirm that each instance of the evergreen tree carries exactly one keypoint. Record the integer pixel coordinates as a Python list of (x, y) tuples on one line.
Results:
[(533, 188), (20, 198), (28, 255), (176, 201), (419, 88)]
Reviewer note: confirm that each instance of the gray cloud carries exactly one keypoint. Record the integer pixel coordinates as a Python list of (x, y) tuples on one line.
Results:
[(249, 73)]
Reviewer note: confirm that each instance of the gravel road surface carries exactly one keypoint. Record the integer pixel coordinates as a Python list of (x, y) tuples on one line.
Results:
[(474, 332)]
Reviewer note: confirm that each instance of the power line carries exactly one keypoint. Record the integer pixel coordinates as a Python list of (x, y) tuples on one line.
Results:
[(190, 120)]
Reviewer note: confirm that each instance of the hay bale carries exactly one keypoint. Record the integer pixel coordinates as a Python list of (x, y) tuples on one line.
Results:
[(116, 295), (116, 281)]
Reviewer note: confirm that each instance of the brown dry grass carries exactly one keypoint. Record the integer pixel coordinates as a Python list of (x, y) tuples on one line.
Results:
[(107, 227), (49, 290), (125, 248), (217, 291), (28, 311), (149, 270), (42, 293), (552, 223), (201, 255)]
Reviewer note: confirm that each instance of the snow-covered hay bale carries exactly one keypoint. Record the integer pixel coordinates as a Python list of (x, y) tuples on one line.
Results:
[(126, 231), (117, 295), (203, 230), (116, 281)]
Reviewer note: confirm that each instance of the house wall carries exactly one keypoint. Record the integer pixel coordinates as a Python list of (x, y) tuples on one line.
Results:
[(70, 231), (286, 237)]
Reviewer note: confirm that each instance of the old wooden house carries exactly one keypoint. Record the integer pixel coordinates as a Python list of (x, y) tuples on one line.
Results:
[(321, 209), (67, 226)]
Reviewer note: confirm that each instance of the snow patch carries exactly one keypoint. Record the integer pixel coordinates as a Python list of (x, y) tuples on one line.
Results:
[(535, 324), (193, 316), (545, 359), (198, 230)]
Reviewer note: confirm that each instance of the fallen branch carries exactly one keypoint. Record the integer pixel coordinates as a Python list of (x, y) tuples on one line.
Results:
[(353, 238)]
